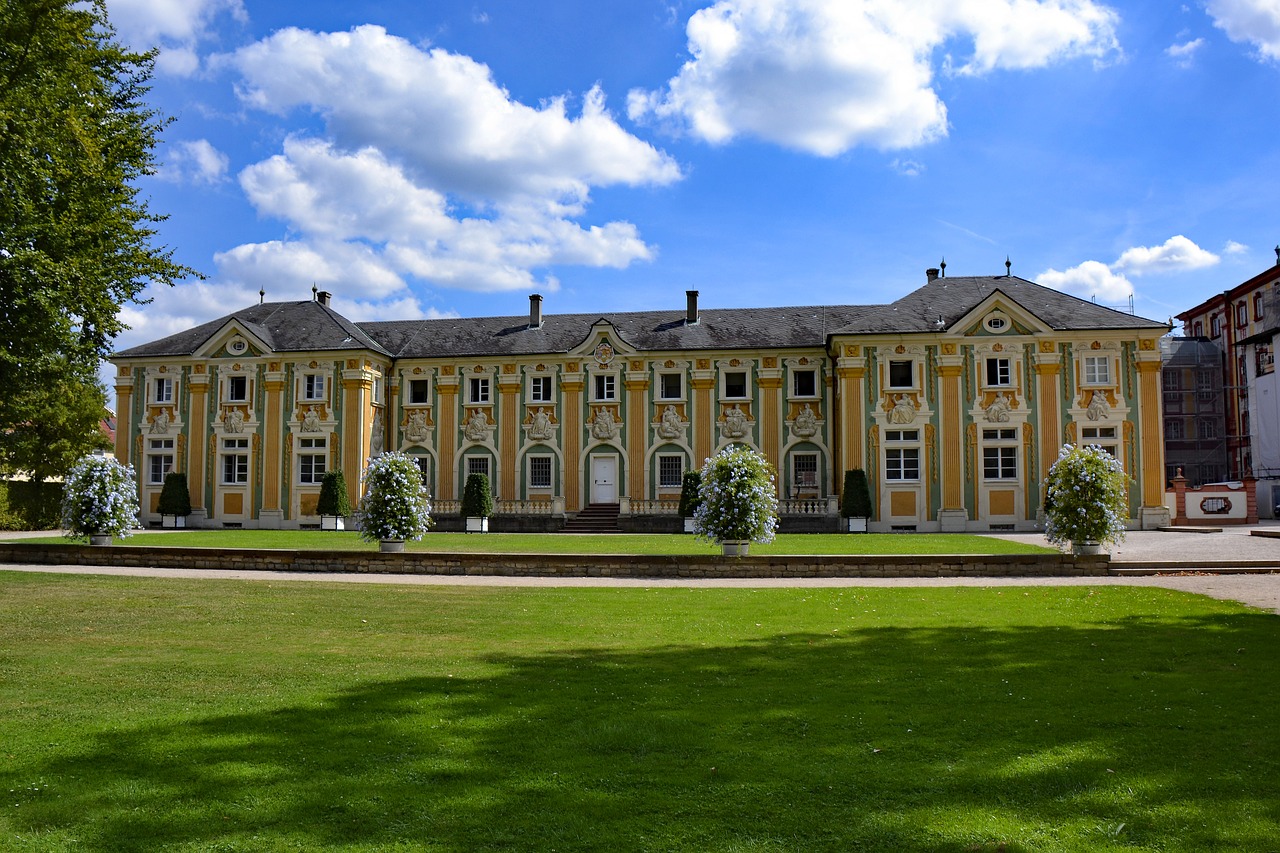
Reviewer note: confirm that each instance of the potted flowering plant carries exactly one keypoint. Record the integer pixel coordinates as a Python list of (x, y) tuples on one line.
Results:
[(1086, 499), (395, 505), (690, 484), (175, 500), (100, 500), (477, 503), (739, 500), (855, 502), (333, 505)]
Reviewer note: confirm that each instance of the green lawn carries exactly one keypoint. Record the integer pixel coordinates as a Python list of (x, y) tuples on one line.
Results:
[(142, 714), (543, 543)]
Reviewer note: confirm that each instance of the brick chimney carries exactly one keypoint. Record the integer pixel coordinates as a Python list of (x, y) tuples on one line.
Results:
[(931, 273), (323, 298), (535, 311), (691, 307)]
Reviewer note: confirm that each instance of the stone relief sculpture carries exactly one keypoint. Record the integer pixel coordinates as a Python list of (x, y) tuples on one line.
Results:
[(416, 427), (160, 423), (998, 411), (604, 427), (375, 437), (903, 411), (311, 421), (541, 429), (672, 426), (1099, 409), (477, 426), (806, 423), (735, 423)]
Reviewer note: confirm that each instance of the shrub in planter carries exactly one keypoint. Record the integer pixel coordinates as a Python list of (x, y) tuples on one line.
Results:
[(477, 503), (690, 484), (739, 498), (333, 505), (855, 501), (175, 500), (100, 499), (1086, 498), (395, 505)]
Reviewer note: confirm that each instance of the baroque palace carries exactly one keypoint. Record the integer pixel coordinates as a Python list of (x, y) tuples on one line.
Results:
[(955, 399)]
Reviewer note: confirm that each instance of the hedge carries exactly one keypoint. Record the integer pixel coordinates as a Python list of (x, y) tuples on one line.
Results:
[(25, 505)]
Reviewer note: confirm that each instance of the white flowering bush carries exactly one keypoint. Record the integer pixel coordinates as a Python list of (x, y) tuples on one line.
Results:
[(739, 499), (1086, 497), (396, 504), (100, 497)]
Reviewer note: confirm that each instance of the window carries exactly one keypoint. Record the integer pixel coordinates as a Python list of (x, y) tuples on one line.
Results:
[(902, 374), (311, 460), (539, 472), (540, 389), (1198, 329), (164, 390), (424, 467), (670, 471), (1207, 429), (1104, 437), (1242, 314), (1097, 370), (998, 372), (1257, 306), (477, 465), (804, 383), (735, 385), (238, 388), (1173, 429), (606, 387), (235, 460), (1215, 325), (901, 463), (804, 468), (313, 386), (1000, 454), (419, 391), (159, 460), (479, 388), (1204, 380), (670, 386)]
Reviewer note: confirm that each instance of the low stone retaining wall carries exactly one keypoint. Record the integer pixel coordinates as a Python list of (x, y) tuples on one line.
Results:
[(561, 565)]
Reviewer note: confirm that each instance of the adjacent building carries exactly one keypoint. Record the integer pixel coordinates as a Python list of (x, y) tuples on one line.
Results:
[(1195, 430), (955, 399)]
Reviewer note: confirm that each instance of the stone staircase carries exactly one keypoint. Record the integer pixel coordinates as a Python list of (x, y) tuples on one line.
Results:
[(595, 518)]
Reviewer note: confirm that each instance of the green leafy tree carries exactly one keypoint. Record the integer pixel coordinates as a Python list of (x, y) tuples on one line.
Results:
[(51, 425), (75, 236)]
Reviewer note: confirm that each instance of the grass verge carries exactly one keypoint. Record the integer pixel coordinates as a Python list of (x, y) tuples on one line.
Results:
[(138, 714)]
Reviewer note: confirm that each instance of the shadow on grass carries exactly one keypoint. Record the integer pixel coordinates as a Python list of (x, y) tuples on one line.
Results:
[(1142, 735)]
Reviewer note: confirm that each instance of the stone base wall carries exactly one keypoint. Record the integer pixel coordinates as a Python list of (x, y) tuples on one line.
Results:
[(561, 565)]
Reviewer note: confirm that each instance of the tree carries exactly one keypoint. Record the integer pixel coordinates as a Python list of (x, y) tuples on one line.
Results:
[(75, 236), (51, 425)]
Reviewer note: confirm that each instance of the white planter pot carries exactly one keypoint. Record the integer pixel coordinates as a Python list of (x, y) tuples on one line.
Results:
[(688, 525), (173, 521), (1086, 549), (857, 525), (477, 524), (99, 539), (333, 522), (735, 547), (391, 546)]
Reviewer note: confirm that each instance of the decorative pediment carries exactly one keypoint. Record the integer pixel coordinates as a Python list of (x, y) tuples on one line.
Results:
[(603, 347), (233, 340), (998, 315)]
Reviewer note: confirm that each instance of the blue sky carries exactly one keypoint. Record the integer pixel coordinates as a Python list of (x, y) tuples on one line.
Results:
[(426, 159)]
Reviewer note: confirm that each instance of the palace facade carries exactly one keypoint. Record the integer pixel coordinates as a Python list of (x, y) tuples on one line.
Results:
[(955, 399)]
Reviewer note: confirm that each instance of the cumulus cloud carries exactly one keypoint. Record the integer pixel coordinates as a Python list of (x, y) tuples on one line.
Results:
[(826, 75), (1176, 253), (1255, 22), (1184, 55), (1090, 280), (1108, 284), (1234, 248), (195, 162), (174, 26)]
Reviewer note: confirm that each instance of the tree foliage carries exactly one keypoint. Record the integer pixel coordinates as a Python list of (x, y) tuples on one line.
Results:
[(75, 235)]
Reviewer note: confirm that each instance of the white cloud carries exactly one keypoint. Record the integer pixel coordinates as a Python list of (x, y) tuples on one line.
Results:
[(1184, 55), (1234, 248), (196, 162), (910, 168), (826, 75), (1177, 253), (1090, 280), (175, 26), (1255, 22), (292, 266)]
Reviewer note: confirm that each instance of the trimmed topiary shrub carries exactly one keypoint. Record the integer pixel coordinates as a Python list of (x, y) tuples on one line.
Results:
[(855, 502), (477, 501), (690, 484), (175, 499), (333, 498)]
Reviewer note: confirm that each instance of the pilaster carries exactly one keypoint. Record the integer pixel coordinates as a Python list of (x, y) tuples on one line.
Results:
[(447, 435), (851, 373), (704, 415), (571, 431), (508, 429), (637, 386), (1154, 512), (124, 416), (771, 417)]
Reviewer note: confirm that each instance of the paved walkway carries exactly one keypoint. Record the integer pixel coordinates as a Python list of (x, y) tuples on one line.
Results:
[(1233, 543)]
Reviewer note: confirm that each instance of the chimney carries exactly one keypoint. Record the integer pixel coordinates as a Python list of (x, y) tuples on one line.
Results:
[(535, 311), (932, 273), (691, 307), (323, 298)]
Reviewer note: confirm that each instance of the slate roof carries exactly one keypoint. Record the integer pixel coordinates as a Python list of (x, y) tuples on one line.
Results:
[(310, 326)]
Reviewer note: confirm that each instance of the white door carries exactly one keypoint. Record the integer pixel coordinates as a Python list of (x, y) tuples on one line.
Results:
[(604, 479)]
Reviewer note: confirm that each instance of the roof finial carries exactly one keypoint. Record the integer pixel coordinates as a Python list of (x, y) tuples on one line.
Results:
[(1278, 254), (313, 291), (942, 268), (1008, 265), (262, 294)]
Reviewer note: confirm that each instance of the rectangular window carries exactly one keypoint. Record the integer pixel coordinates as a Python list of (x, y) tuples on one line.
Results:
[(539, 472), (671, 386), (477, 465), (235, 460), (164, 390), (902, 374), (804, 468), (804, 383), (735, 385), (901, 463), (1097, 370), (479, 388), (159, 460), (1173, 429), (606, 386), (670, 471), (998, 372), (419, 391), (1000, 463), (1173, 380), (1257, 306), (1215, 325), (311, 459), (238, 389), (540, 389), (424, 467), (1104, 437), (313, 386), (1242, 314), (1207, 429), (1198, 329)]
